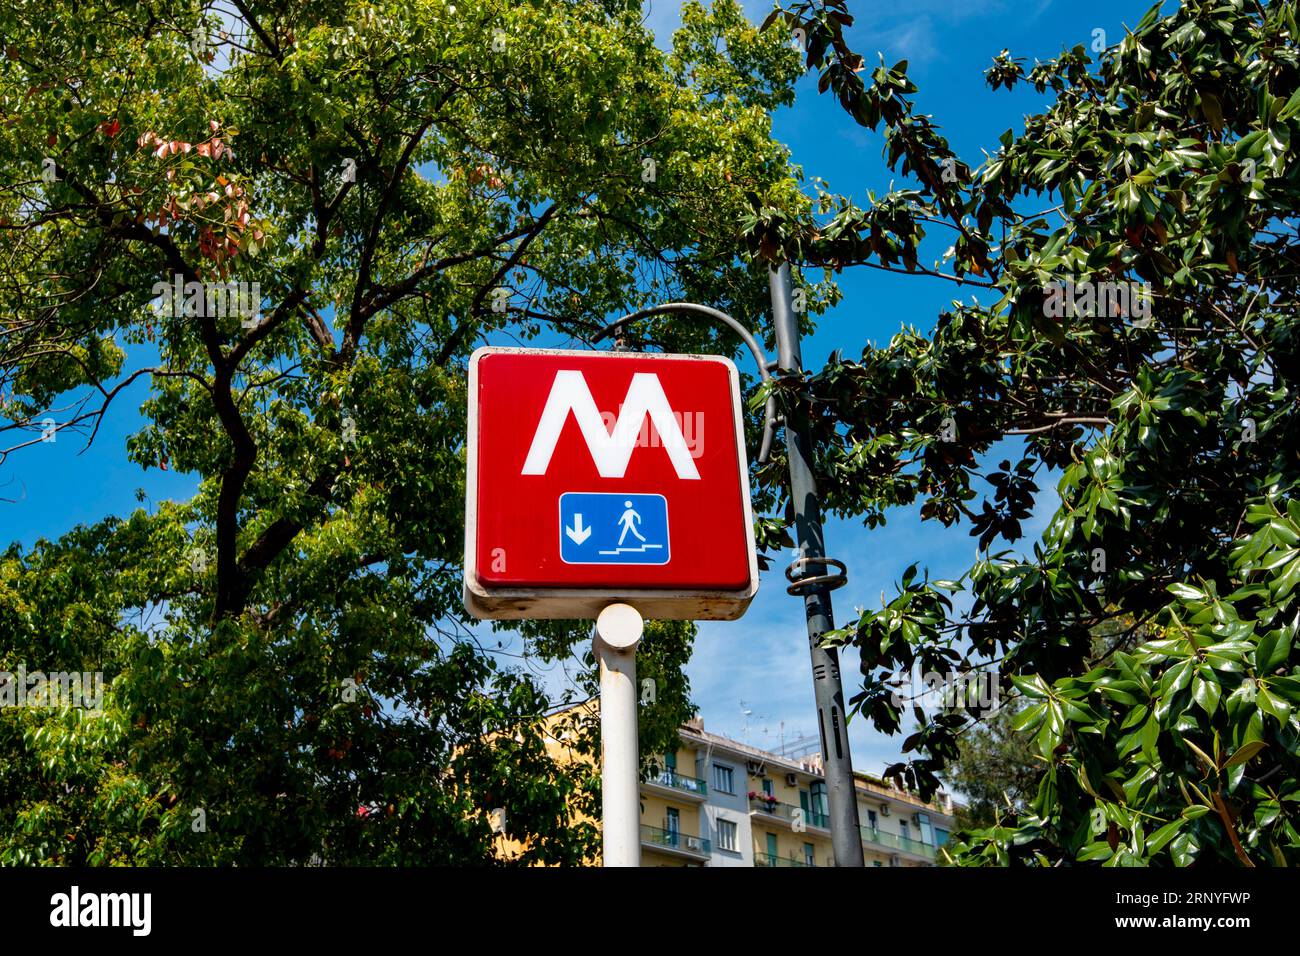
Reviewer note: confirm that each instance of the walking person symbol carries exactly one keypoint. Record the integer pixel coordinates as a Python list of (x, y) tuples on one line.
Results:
[(600, 527), (628, 522)]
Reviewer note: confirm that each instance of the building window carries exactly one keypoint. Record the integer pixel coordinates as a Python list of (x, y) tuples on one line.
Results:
[(726, 835), (871, 819), (673, 824), (817, 809), (808, 854), (670, 761), (876, 863), (903, 831), (927, 832), (771, 845), (819, 800), (722, 778), (940, 836), (767, 787)]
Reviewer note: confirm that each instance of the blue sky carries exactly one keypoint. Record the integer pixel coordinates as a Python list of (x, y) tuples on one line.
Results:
[(762, 659)]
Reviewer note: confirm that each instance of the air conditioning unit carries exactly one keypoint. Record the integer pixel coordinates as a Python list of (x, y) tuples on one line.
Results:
[(884, 809), (756, 768), (792, 779)]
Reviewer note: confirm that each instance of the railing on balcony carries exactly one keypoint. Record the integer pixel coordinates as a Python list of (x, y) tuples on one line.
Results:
[(677, 781), (786, 811), (674, 840), (895, 842), (942, 806), (769, 859)]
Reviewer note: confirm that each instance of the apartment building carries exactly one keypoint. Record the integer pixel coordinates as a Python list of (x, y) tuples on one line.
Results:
[(719, 802)]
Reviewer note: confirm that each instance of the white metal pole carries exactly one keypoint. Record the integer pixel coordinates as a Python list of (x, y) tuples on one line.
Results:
[(618, 631)]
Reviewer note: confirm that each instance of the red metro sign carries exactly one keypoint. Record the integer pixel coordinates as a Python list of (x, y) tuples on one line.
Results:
[(596, 477)]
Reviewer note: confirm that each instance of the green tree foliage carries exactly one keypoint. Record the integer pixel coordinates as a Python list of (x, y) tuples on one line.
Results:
[(1165, 165), (286, 651), (995, 770)]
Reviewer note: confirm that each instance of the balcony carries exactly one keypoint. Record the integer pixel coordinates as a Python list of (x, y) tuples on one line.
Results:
[(867, 787), (680, 785), (768, 859), (787, 813), (674, 841), (893, 841)]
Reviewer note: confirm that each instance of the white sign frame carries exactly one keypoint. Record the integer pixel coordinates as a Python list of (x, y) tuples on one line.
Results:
[(512, 604)]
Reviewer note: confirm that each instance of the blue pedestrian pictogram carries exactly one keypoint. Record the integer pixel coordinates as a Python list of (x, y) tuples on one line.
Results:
[(601, 528)]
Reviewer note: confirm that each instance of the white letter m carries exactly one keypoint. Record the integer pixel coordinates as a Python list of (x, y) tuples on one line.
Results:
[(610, 451)]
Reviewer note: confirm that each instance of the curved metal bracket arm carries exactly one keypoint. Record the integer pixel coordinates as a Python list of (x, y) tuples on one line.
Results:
[(691, 308)]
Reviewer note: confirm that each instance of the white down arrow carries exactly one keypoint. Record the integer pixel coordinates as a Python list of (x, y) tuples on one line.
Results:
[(578, 533)]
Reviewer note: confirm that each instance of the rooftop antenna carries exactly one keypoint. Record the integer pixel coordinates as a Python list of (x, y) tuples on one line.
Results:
[(779, 735), (801, 746)]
